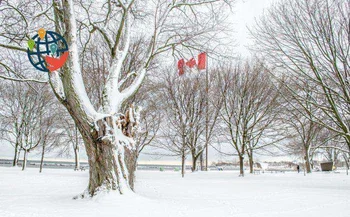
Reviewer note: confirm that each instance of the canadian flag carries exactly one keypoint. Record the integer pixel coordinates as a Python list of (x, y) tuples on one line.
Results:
[(180, 66), (202, 63), (191, 63)]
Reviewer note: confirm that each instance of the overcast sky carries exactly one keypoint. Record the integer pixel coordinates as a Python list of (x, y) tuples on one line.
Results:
[(245, 13)]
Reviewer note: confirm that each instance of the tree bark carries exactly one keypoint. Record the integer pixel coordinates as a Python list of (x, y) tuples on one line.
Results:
[(202, 164), (105, 151), (131, 157), (251, 162), (24, 164), (42, 158), (107, 170), (18, 156), (194, 163), (307, 163), (241, 166), (104, 144), (183, 164), (346, 164), (76, 158), (76, 150), (15, 158)]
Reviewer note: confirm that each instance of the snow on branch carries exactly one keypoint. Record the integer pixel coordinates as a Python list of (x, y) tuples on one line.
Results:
[(118, 128), (73, 82), (129, 91), (111, 88), (57, 86), (121, 82), (104, 34)]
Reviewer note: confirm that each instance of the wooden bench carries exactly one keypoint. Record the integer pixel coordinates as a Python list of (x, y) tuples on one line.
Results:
[(257, 171)]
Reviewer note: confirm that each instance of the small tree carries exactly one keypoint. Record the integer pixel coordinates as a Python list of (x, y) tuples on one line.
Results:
[(184, 104), (29, 121), (249, 107), (301, 128)]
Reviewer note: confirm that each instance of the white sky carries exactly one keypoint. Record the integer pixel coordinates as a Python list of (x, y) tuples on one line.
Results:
[(245, 12)]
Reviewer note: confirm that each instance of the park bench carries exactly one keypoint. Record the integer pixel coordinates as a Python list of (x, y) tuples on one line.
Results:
[(257, 170), (80, 168)]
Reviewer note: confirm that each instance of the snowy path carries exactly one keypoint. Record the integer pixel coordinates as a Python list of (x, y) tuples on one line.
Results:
[(214, 194)]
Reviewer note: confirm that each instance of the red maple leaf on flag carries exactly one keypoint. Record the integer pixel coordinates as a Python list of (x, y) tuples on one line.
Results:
[(202, 61), (191, 63), (180, 66)]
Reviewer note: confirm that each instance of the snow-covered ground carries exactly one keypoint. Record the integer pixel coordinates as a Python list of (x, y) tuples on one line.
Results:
[(214, 194)]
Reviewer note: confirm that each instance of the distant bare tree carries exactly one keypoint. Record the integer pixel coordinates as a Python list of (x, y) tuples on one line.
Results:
[(71, 139), (28, 118), (332, 146), (249, 108), (308, 41), (184, 124), (303, 136), (303, 132)]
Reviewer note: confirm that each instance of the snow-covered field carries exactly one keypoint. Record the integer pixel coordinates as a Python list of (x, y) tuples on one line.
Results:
[(214, 194)]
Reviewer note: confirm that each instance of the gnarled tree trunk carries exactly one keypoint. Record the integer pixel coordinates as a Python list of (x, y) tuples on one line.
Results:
[(131, 157), (105, 150), (107, 171)]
